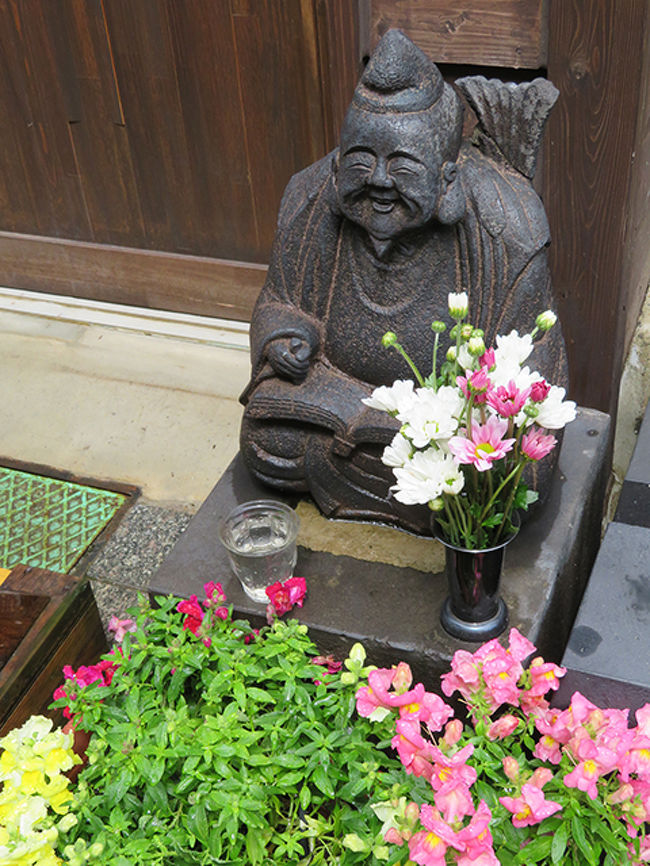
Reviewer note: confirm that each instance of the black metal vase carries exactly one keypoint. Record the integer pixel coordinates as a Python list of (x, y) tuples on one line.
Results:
[(474, 610)]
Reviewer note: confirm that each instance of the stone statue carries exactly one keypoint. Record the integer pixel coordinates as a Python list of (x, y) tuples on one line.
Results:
[(372, 238)]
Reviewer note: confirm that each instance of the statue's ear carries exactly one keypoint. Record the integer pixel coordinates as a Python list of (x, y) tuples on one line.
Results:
[(451, 206)]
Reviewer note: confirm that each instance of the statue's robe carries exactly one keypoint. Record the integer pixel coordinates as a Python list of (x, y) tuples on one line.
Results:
[(326, 286)]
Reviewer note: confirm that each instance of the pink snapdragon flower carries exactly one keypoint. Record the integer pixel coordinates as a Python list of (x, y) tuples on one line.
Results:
[(283, 596), (120, 627), (431, 710), (214, 599), (429, 847), (531, 807), (413, 750), (584, 776), (377, 695), (508, 400), (485, 445), (503, 727), (537, 444), (476, 840)]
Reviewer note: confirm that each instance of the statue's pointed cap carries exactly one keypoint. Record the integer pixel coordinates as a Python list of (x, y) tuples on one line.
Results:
[(398, 78)]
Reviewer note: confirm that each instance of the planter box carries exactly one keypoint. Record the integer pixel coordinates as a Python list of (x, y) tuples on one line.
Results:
[(47, 620)]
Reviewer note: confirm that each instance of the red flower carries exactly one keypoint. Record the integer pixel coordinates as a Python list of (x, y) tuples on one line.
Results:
[(194, 612), (283, 596)]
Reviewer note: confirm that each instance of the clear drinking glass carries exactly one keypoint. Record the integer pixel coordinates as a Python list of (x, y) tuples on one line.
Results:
[(260, 537)]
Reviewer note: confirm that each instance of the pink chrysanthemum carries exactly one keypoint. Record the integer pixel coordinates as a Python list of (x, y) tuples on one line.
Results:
[(485, 445), (536, 444), (508, 400)]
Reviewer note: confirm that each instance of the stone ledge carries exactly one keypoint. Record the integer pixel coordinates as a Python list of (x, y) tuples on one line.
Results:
[(395, 611)]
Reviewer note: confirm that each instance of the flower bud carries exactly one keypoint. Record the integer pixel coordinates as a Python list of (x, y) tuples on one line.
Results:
[(453, 732), (358, 653), (511, 768), (436, 504), (466, 331), (438, 327), (531, 411), (546, 320), (476, 346), (540, 777), (457, 302), (451, 353), (389, 339), (478, 332)]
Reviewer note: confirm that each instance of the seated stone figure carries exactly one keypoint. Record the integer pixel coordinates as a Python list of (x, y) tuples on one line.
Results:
[(372, 238)]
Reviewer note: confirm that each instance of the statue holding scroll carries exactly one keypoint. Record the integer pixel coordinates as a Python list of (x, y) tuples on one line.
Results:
[(372, 238)]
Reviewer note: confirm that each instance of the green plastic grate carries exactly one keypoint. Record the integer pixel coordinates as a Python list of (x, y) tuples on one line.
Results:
[(49, 523)]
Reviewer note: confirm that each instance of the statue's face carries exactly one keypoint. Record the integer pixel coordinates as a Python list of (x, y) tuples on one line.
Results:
[(389, 172)]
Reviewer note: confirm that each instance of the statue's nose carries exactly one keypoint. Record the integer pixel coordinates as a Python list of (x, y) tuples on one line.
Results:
[(380, 176)]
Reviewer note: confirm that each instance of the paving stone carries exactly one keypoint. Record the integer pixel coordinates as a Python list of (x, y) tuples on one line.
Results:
[(608, 652)]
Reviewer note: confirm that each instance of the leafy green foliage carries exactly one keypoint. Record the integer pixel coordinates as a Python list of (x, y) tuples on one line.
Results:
[(229, 753)]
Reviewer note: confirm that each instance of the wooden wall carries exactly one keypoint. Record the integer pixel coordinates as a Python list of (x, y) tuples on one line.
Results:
[(145, 145), (167, 127)]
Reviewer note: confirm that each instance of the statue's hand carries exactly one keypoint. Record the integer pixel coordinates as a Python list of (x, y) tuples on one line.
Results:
[(289, 357)]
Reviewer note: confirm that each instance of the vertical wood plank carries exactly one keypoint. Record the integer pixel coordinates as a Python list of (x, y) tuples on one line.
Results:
[(99, 141), (595, 54), (39, 189), (341, 33), (280, 101)]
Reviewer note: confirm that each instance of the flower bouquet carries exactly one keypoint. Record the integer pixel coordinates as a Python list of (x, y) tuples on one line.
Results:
[(471, 427), (521, 782)]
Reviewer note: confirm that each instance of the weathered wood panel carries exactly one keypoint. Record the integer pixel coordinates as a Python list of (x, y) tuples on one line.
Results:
[(158, 125), (509, 33), (596, 50), (146, 278)]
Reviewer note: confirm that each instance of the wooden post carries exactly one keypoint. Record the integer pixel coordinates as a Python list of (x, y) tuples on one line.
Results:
[(596, 54)]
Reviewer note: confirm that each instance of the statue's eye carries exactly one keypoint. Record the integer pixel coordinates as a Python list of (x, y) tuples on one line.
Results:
[(403, 168), (359, 160)]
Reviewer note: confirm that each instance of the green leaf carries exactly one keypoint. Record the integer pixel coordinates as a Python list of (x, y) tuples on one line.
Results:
[(197, 822), (558, 846), (254, 847), (117, 788), (581, 840), (323, 782)]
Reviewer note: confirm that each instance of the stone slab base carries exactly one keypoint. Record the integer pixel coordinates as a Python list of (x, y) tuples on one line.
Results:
[(395, 610)]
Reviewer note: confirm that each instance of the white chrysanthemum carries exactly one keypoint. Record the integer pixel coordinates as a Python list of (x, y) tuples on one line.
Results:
[(393, 398), (454, 480), (431, 415), (398, 452), (513, 349), (465, 358), (555, 412), (424, 477)]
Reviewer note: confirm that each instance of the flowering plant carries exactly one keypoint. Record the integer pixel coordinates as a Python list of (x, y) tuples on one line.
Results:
[(521, 783), (471, 427), (212, 742), (34, 795)]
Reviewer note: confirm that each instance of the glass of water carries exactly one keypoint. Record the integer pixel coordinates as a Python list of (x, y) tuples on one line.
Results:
[(260, 538)]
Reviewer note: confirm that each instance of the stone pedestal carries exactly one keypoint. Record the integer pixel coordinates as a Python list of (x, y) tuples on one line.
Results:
[(395, 611)]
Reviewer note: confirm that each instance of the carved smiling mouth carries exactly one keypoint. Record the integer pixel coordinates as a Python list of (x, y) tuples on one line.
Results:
[(383, 203)]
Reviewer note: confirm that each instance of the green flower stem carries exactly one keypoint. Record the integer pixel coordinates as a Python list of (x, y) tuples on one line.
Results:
[(508, 509), (496, 493), (434, 361), (408, 360)]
